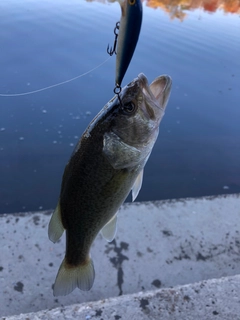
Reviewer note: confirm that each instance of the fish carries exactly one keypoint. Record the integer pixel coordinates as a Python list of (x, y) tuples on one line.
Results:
[(107, 164), (129, 30)]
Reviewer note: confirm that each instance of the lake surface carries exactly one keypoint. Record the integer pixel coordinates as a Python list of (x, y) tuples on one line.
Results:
[(46, 42)]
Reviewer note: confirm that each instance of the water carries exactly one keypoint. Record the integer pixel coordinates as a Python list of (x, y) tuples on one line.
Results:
[(46, 42)]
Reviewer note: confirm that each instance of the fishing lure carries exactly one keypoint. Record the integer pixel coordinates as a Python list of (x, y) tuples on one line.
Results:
[(126, 37)]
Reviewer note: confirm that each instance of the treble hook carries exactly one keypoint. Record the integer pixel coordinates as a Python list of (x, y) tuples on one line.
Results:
[(117, 90), (111, 51)]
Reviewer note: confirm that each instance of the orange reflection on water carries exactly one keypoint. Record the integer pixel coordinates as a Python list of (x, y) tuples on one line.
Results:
[(176, 8)]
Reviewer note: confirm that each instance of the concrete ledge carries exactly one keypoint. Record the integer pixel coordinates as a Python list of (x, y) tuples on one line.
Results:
[(159, 245), (212, 299)]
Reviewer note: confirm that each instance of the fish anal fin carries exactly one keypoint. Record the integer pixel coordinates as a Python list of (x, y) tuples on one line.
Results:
[(110, 229), (55, 227), (71, 277), (137, 185)]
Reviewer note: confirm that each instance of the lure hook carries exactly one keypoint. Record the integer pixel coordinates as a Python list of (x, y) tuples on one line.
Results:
[(111, 50)]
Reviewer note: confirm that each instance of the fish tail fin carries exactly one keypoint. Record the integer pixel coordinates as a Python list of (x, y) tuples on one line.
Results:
[(70, 277)]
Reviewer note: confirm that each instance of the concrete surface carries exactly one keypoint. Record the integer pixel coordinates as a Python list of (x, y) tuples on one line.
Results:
[(201, 301), (158, 245)]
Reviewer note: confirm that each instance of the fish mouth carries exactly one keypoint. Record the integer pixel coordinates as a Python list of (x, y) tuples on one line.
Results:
[(141, 81), (155, 95), (140, 84), (158, 91), (143, 84), (164, 83)]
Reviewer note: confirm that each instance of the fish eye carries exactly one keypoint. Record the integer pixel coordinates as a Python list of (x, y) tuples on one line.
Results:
[(129, 108)]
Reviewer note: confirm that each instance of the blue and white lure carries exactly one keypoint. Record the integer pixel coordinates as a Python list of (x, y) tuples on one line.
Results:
[(126, 39)]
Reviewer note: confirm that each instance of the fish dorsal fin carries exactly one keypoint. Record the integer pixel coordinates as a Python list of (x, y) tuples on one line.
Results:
[(110, 229), (55, 227), (137, 185)]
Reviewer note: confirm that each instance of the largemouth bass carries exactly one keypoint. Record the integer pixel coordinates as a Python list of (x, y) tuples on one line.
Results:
[(106, 165)]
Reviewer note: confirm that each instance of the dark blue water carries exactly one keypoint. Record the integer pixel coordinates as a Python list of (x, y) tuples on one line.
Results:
[(46, 42)]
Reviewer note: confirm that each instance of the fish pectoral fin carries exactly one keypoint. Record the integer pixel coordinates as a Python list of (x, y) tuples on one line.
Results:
[(70, 277), (110, 229), (137, 185), (55, 227)]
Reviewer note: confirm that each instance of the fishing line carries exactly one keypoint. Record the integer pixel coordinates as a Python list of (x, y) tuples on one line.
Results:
[(54, 85)]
